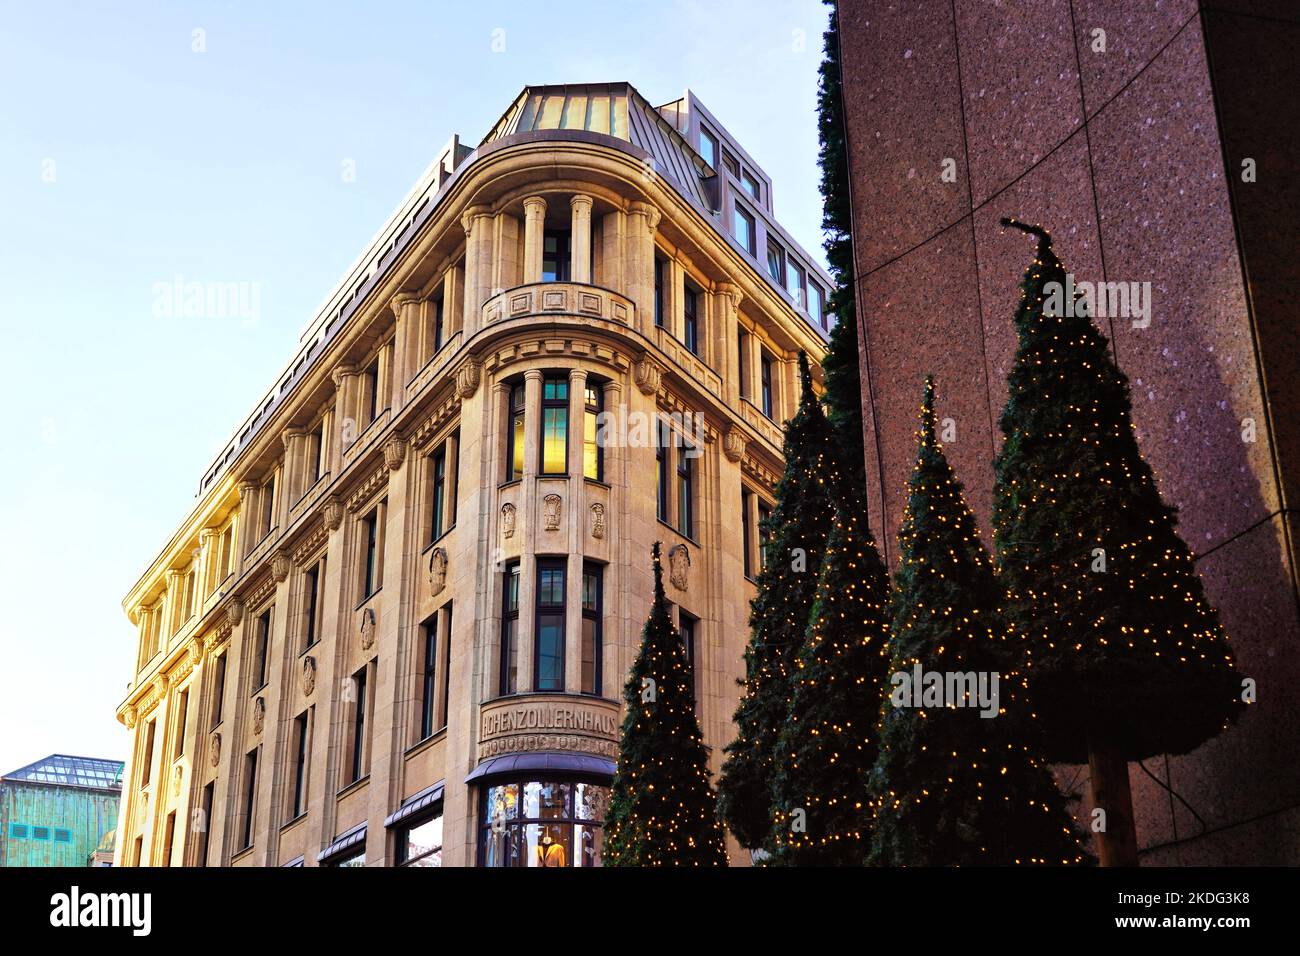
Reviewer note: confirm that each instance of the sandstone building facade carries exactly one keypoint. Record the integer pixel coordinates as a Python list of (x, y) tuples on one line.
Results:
[(395, 627)]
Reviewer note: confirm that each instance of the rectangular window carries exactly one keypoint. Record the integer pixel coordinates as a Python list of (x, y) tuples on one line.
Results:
[(742, 226), (147, 769), (300, 729), (18, 831), (62, 836), (358, 763), (139, 851), (40, 833), (190, 580), (250, 796), (218, 689), (227, 541), (729, 162), (746, 535), (436, 320), (510, 630), (764, 514), (765, 370), (593, 455), (438, 477), (749, 183), (261, 649), (315, 445), (794, 283), (661, 270), (687, 626), (182, 711), (372, 569), (548, 655), (690, 331), (446, 665), (311, 585), (169, 836), (742, 373), (428, 681), (370, 383), (515, 435), (776, 262), (555, 426), (268, 505), (685, 492), (708, 148), (661, 469), (204, 823), (592, 651), (815, 305), (555, 256), (420, 843)]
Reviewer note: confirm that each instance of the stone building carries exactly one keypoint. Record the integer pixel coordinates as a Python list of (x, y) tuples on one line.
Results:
[(1147, 137), (395, 626)]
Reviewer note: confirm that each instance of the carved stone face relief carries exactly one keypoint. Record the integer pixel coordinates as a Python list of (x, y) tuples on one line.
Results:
[(507, 520), (551, 512), (259, 715), (177, 776), (308, 675), (679, 566), (214, 749), (367, 629), (598, 520), (437, 570)]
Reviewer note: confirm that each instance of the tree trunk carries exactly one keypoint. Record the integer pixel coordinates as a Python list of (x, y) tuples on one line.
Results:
[(1108, 768)]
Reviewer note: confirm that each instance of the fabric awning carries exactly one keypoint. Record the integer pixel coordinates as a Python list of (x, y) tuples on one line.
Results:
[(413, 805), (544, 762)]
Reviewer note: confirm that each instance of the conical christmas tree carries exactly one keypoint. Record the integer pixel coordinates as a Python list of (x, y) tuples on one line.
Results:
[(843, 381), (1126, 657), (827, 745), (958, 781), (796, 535), (662, 810)]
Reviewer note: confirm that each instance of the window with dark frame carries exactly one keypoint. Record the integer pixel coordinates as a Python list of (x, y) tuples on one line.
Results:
[(542, 823), (515, 434), (746, 535), (661, 269), (742, 374), (250, 797), (438, 478), (205, 824), (765, 371), (372, 566), (685, 491), (593, 453), (775, 262), (686, 627), (555, 256), (732, 166), (555, 425), (358, 761), (436, 322), (742, 227), (182, 711), (300, 729), (592, 638), (311, 601), (708, 147), (764, 513), (749, 183), (371, 385), (446, 665), (794, 284), (661, 469), (218, 689), (268, 505), (315, 451), (169, 837), (261, 649), (428, 682), (690, 330), (510, 630), (147, 770), (419, 842), (548, 648), (815, 304)]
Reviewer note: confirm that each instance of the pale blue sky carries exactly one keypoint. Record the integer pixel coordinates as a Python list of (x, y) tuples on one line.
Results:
[(127, 159)]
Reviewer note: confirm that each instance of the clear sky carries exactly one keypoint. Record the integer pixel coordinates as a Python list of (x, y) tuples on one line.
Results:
[(128, 159)]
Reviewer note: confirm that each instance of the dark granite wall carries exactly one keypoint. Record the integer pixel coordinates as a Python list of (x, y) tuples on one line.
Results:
[(1121, 154)]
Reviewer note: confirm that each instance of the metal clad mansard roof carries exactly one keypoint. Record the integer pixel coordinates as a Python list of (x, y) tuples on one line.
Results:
[(64, 771)]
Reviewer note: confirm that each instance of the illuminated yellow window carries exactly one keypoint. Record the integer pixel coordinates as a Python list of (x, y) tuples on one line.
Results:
[(555, 426)]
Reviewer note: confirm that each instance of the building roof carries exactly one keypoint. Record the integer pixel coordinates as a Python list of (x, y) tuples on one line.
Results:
[(62, 770)]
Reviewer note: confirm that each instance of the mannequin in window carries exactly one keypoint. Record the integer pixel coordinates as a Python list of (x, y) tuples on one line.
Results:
[(550, 853)]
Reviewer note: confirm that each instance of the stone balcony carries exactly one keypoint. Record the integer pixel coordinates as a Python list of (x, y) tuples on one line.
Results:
[(559, 298)]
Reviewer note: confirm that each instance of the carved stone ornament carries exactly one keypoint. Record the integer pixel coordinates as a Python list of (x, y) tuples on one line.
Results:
[(259, 715), (308, 675), (437, 570), (507, 520), (598, 520), (679, 566), (467, 378), (214, 749), (733, 444), (280, 564), (367, 629), (130, 718), (235, 612), (195, 652), (648, 375), (551, 512), (143, 813), (332, 512), (178, 775), (394, 453)]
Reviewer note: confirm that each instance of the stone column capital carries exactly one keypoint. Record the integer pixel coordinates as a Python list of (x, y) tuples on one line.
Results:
[(342, 371), (291, 434), (533, 375), (649, 211), (398, 302), (534, 206), (730, 292), (471, 215), (580, 204), (247, 489)]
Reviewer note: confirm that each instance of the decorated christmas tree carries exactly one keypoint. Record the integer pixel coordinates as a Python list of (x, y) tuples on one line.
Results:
[(843, 382), (795, 537), (1126, 658), (827, 745), (662, 810), (958, 780)]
